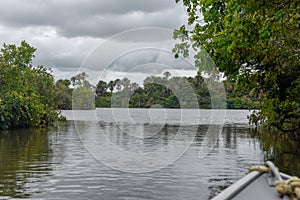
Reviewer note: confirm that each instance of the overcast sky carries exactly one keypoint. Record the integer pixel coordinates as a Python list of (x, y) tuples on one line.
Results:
[(66, 31)]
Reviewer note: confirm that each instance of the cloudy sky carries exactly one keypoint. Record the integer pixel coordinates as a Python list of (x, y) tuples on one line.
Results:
[(65, 32)]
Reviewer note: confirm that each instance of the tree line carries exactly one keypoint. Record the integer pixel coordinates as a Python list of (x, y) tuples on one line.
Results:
[(30, 97), (166, 91)]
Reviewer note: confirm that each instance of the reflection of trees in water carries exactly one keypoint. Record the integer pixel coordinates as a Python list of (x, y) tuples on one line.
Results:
[(284, 152), (146, 137), (201, 132), (149, 137), (232, 156), (24, 160), (141, 138)]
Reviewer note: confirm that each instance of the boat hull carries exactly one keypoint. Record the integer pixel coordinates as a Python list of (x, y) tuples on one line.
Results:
[(254, 185)]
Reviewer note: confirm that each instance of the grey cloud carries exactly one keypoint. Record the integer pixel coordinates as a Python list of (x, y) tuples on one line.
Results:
[(62, 52), (149, 61), (103, 26), (95, 18), (66, 31)]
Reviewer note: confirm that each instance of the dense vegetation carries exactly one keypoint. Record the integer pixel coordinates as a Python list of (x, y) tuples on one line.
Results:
[(27, 93), (255, 43), (29, 97), (155, 92)]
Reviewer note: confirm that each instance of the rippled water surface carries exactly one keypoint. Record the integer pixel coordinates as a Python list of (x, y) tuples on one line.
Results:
[(58, 162)]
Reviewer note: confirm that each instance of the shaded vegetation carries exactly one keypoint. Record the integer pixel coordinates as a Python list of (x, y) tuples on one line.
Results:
[(283, 151), (255, 43)]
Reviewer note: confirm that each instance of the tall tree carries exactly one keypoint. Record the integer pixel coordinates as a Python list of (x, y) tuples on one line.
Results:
[(27, 93), (83, 93), (255, 42), (101, 88), (167, 74), (63, 94), (125, 82), (117, 84), (111, 84), (20, 56), (80, 80)]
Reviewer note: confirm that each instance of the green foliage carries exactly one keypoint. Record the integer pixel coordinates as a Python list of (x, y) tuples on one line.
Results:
[(83, 99), (171, 93), (20, 56), (83, 93), (139, 99), (101, 88), (256, 43), (80, 80), (239, 97), (103, 102), (29, 97), (27, 93), (63, 94)]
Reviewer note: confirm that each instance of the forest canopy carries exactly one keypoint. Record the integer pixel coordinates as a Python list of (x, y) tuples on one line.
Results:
[(29, 96), (156, 92), (255, 43)]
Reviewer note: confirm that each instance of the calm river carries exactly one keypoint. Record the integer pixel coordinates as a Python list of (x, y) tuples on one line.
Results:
[(137, 154)]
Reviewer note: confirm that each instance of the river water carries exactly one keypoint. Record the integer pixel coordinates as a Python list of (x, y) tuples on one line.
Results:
[(136, 154)]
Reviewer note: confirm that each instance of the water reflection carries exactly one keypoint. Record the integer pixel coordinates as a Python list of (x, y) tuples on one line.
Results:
[(24, 158), (284, 152), (231, 158), (54, 164)]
